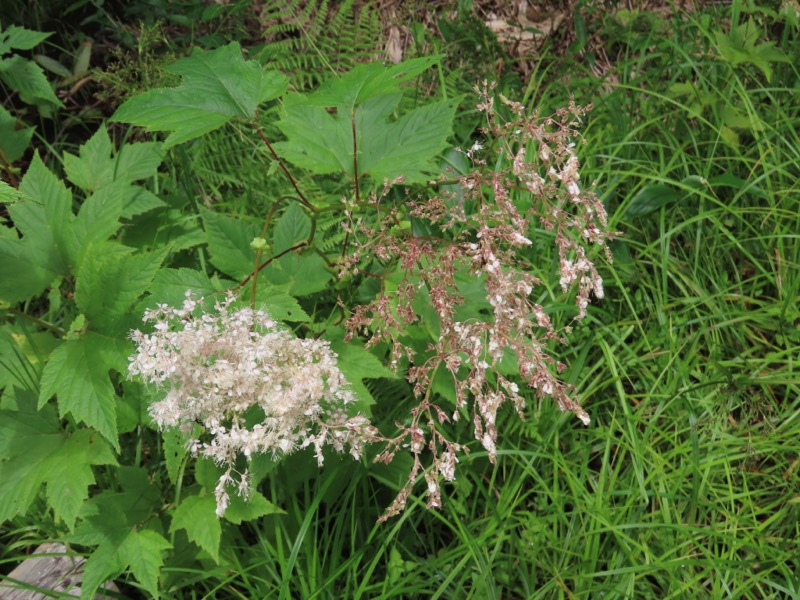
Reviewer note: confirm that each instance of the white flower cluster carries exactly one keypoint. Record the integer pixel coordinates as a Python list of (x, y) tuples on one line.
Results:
[(253, 386)]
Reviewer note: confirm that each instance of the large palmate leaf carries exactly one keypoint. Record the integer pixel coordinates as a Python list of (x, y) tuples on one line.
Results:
[(99, 164), (36, 451), (320, 128), (77, 373), (229, 241), (53, 240), (197, 516), (369, 81), (29, 264), (218, 85), (110, 281), (113, 521)]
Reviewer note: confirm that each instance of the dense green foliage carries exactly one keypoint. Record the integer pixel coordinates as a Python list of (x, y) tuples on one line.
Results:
[(686, 482)]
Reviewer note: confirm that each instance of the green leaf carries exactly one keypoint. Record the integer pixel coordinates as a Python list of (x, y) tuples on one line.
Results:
[(139, 550), (298, 275), (651, 198), (27, 78), (368, 81), (197, 515), (170, 285), (47, 191), (740, 47), (70, 474), (174, 452), (36, 451), (13, 141), (293, 227), (407, 147), (218, 85), (78, 374), (98, 165), (103, 564), (28, 440), (229, 243), (322, 142), (28, 265), (279, 304), (20, 38), (109, 283), (256, 505), (358, 364), (9, 194), (132, 407), (317, 141), (142, 550)]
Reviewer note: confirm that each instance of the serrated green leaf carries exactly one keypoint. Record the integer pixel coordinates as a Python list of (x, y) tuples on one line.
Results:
[(317, 141), (256, 505), (139, 500), (218, 85), (27, 78), (170, 286), (98, 165), (36, 451), (368, 81), (28, 440), (279, 304), (293, 227), (13, 141), (70, 474), (322, 142), (26, 268), (651, 198), (103, 564), (229, 243), (77, 373), (207, 473), (97, 220), (110, 281), (298, 275), (407, 146), (9, 194), (19, 38), (197, 515), (88, 169), (47, 191), (29, 264), (174, 452), (141, 551), (358, 364)]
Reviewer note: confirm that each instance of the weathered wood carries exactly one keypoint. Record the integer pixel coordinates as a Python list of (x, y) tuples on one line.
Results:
[(58, 571)]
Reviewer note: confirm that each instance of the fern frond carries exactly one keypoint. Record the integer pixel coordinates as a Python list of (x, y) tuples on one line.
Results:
[(308, 40)]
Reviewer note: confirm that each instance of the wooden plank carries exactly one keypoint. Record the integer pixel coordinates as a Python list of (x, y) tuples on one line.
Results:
[(51, 567)]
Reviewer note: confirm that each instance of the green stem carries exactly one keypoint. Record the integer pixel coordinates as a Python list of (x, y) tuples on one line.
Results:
[(43, 324), (303, 200)]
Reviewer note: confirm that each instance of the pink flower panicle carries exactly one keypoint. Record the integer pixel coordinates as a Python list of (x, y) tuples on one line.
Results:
[(487, 235)]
